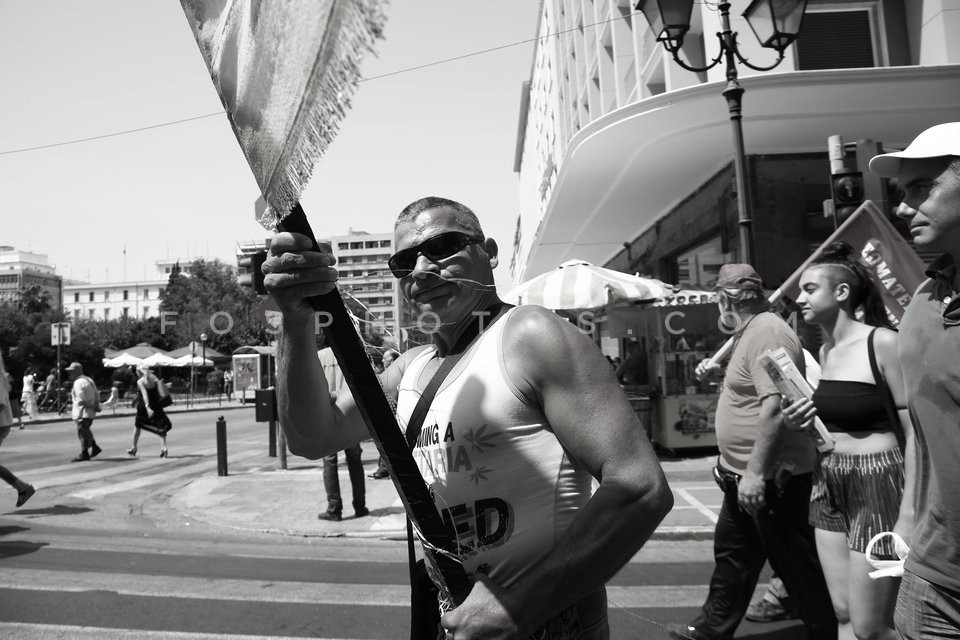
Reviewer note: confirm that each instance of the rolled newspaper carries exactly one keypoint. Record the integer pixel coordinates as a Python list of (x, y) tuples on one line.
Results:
[(793, 386)]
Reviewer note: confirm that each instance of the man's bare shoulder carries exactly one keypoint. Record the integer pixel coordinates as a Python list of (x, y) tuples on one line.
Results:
[(537, 337)]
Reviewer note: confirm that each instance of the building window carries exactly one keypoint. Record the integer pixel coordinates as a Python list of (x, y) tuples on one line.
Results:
[(146, 294), (126, 295), (370, 244), (90, 314), (106, 296), (699, 265), (76, 314), (126, 312), (146, 312), (76, 296), (106, 314), (844, 38), (343, 246), (91, 296), (385, 243)]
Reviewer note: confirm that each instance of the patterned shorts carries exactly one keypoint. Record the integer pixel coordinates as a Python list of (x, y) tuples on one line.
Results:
[(858, 495)]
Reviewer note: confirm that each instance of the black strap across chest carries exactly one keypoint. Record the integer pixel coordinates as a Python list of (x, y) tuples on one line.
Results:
[(415, 423)]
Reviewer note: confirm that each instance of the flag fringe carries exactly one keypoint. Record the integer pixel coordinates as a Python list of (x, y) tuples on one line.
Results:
[(361, 23)]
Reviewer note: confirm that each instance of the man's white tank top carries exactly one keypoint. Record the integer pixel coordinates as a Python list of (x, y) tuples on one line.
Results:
[(494, 466)]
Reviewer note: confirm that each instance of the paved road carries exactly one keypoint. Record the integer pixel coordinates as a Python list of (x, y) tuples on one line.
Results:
[(164, 548)]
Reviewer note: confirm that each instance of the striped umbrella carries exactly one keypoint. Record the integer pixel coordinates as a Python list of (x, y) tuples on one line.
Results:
[(577, 284)]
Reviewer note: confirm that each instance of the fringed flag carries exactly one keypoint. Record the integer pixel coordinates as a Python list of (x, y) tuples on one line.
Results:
[(285, 71)]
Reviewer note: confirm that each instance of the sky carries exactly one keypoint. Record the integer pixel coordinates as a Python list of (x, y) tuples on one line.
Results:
[(73, 70)]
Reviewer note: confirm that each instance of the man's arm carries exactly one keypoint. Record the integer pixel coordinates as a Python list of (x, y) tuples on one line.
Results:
[(765, 447), (565, 373), (888, 360)]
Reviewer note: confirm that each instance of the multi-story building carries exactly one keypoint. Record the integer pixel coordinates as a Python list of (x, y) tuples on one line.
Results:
[(112, 300), (125, 299), (364, 276), (21, 270), (625, 159)]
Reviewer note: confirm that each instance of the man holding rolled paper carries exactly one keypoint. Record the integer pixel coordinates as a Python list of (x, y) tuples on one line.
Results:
[(764, 471)]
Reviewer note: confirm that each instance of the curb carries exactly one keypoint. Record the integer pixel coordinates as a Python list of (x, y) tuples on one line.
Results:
[(131, 412)]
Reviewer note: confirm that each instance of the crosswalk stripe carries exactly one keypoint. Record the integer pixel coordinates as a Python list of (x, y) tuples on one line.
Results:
[(22, 631), (699, 506), (155, 478), (273, 591), (321, 593)]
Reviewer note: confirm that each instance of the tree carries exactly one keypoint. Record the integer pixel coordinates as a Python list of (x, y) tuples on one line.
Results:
[(211, 301)]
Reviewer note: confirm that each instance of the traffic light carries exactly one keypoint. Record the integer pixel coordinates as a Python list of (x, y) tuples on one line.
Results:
[(253, 277), (848, 193)]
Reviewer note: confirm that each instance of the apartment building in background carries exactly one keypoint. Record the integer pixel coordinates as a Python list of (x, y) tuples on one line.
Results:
[(21, 270), (625, 159), (139, 299)]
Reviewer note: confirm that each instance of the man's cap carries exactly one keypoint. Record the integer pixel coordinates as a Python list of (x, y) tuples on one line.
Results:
[(739, 276), (75, 366), (936, 142)]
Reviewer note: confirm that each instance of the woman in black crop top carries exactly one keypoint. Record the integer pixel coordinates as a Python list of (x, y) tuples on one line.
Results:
[(859, 486)]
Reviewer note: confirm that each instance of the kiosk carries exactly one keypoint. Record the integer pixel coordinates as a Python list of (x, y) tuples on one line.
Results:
[(676, 333)]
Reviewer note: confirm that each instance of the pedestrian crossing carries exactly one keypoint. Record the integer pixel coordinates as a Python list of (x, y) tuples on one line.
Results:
[(215, 580), (353, 590)]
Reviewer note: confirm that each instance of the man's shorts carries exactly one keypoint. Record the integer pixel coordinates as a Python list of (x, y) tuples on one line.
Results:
[(859, 495)]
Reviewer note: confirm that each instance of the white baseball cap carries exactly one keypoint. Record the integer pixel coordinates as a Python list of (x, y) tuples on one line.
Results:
[(936, 142)]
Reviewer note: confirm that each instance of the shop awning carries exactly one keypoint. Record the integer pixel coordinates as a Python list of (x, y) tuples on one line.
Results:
[(626, 170)]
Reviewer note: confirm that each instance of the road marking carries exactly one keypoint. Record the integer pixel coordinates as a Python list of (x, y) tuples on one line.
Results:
[(143, 481), (278, 591), (699, 506), (21, 631)]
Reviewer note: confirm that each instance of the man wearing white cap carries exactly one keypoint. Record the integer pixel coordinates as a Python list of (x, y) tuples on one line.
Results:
[(929, 174), (86, 404)]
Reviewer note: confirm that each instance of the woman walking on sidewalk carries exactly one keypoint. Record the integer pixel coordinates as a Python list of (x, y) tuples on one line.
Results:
[(150, 413), (865, 485)]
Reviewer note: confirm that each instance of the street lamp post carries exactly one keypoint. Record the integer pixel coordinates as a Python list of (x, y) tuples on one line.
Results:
[(776, 23), (203, 359)]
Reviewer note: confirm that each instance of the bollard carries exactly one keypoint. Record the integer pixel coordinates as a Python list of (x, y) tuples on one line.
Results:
[(272, 439), (283, 448), (221, 446)]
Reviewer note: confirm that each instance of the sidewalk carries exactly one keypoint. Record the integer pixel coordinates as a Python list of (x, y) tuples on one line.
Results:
[(287, 502), (123, 408)]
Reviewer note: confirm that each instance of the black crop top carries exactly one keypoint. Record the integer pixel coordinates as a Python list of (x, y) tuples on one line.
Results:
[(845, 406)]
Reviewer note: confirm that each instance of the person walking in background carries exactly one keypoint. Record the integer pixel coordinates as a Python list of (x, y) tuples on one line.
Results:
[(865, 485), (150, 413), (228, 384), (764, 471), (86, 404), (331, 477), (28, 397), (23, 489), (50, 389), (389, 356), (928, 172)]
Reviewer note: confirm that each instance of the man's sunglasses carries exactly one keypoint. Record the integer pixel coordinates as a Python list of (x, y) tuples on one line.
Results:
[(435, 248)]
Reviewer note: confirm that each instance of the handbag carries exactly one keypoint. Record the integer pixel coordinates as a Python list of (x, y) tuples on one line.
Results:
[(165, 398), (885, 394)]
